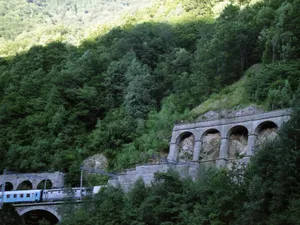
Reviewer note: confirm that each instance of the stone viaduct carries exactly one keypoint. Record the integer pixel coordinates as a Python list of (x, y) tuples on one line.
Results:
[(21, 181), (53, 211), (33, 180), (51, 208), (249, 127), (244, 131)]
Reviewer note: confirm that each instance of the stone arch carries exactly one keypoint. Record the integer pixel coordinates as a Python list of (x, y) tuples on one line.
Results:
[(41, 184), (185, 144), (265, 131), (211, 141), (25, 185), (8, 186), (46, 209), (183, 134), (237, 141)]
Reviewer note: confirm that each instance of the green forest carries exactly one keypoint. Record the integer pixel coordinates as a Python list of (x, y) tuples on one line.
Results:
[(121, 91), (264, 193), (24, 23), (67, 93)]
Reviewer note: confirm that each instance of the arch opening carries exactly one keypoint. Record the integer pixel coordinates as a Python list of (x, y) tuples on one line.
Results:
[(266, 131), (211, 141), (44, 184), (185, 144), (36, 217), (238, 141), (25, 185), (8, 186)]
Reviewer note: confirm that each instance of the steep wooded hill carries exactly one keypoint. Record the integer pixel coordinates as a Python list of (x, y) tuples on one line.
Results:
[(121, 90), (24, 23)]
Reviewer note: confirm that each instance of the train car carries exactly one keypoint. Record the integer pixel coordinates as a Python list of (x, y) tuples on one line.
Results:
[(61, 194), (97, 189), (48, 194), (84, 192), (22, 196), (54, 195)]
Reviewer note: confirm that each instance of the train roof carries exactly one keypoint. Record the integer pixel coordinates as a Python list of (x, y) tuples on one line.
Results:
[(20, 191), (67, 189)]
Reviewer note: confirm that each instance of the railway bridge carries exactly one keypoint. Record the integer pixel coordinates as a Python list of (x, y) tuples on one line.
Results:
[(27, 181), (193, 145), (52, 210)]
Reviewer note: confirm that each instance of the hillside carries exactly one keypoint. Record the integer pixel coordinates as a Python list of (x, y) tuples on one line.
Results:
[(25, 23), (73, 86), (121, 89), (28, 22)]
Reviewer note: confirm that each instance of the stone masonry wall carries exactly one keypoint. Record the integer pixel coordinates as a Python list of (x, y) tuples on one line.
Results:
[(201, 148)]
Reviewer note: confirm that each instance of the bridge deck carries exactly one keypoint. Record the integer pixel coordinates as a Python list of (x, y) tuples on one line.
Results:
[(43, 203)]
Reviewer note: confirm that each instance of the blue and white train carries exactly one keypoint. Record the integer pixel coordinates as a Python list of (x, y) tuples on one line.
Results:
[(47, 194)]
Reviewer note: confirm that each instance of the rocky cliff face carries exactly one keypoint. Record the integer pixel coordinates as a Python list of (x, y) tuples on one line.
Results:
[(98, 161), (229, 113), (265, 135), (186, 148), (237, 145), (211, 146)]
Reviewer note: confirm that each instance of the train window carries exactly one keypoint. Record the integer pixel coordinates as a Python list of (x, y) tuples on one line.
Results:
[(21, 195), (15, 195), (7, 196), (27, 195), (35, 194)]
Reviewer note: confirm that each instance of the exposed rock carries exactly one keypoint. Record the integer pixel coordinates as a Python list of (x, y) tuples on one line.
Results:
[(237, 145), (265, 135), (211, 146), (218, 7), (238, 163), (210, 115), (161, 11), (186, 148), (229, 113), (98, 161), (176, 12)]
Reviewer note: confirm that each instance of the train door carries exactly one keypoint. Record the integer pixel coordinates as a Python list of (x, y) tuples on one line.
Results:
[(45, 195)]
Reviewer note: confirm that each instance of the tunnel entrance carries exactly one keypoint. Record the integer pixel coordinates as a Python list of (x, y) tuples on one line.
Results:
[(38, 217), (8, 186), (238, 141), (25, 185)]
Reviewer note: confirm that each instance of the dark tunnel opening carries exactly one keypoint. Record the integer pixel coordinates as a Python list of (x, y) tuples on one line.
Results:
[(38, 217)]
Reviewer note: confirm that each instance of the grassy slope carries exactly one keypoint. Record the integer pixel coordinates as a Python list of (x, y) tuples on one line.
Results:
[(232, 96)]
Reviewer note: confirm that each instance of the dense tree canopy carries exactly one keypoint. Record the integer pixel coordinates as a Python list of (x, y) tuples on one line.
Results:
[(120, 90), (265, 192), (119, 93)]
